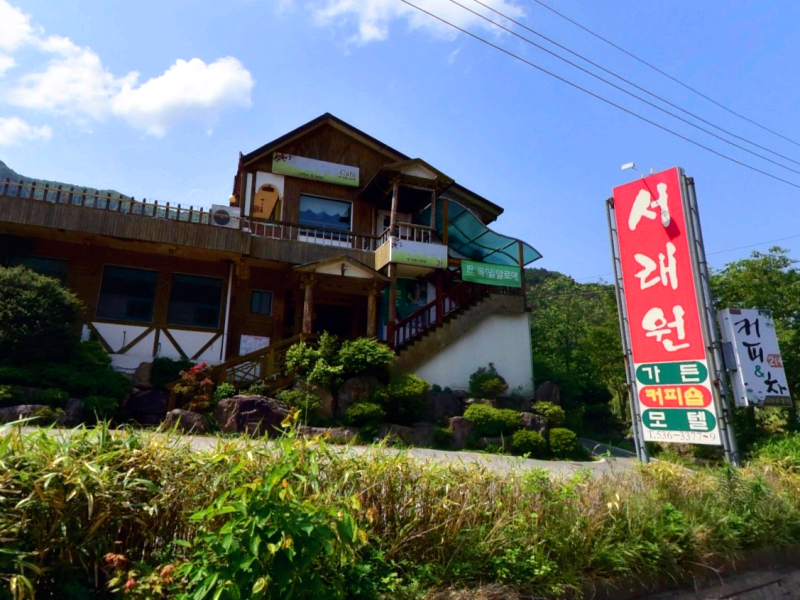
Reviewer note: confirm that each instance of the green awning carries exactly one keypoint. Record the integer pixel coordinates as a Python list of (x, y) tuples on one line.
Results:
[(474, 240)]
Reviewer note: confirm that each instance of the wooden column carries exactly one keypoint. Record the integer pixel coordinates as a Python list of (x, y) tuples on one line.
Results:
[(445, 220), (433, 209), (392, 304), (522, 277), (372, 311), (308, 307), (393, 217)]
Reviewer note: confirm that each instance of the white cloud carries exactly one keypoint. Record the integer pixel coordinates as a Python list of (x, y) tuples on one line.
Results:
[(451, 58), (74, 82), (373, 17), (14, 130), (6, 62), (188, 88)]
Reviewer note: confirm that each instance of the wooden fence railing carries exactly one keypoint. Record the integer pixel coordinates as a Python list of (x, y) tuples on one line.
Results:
[(281, 230), (410, 232)]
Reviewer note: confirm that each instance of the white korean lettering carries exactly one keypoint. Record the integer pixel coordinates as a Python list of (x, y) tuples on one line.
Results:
[(697, 420), (656, 325), (668, 271), (690, 373), (644, 202), (657, 419)]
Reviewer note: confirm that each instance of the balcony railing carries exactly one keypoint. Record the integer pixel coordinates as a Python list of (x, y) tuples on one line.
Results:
[(410, 232), (281, 230)]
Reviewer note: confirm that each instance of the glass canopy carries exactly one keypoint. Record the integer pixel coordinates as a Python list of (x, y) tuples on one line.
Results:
[(474, 240)]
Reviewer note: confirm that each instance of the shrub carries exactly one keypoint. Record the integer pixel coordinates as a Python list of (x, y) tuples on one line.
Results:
[(317, 365), (48, 415), (101, 406), (442, 438), (258, 388), (492, 422), (564, 444), (363, 413), (166, 370), (224, 391), (365, 355), (304, 400), (486, 382), (52, 397), (531, 443), (404, 398), (88, 373), (195, 389), (436, 388), (38, 317), (552, 412)]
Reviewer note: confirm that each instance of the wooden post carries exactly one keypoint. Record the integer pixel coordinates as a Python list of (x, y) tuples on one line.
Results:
[(439, 297), (308, 307), (393, 217), (372, 311), (433, 210), (522, 277), (445, 220), (392, 304)]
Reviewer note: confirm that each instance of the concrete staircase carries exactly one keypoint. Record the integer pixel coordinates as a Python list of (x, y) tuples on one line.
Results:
[(453, 327)]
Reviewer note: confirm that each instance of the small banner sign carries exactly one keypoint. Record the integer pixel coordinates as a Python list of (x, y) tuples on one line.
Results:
[(406, 252), (318, 170), (758, 375), (487, 274)]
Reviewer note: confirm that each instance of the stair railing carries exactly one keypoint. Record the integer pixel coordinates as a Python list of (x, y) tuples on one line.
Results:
[(433, 314)]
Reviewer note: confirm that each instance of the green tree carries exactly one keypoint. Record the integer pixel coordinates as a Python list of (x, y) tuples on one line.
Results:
[(38, 317), (769, 281)]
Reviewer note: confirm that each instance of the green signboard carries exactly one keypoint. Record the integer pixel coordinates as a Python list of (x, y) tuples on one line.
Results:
[(490, 274), (678, 419), (671, 373)]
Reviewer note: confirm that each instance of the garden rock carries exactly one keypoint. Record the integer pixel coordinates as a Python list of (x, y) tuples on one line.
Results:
[(141, 376), (148, 407), (255, 415), (21, 411), (185, 421), (356, 389), (462, 428), (328, 402), (534, 422), (548, 392), (336, 435), (421, 434), (442, 405), (73, 414)]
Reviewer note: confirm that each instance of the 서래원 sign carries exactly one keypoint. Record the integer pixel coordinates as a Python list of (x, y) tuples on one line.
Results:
[(487, 274), (673, 386), (758, 376), (318, 170)]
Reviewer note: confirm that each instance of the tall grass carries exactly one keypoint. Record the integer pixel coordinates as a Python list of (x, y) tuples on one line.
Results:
[(66, 502)]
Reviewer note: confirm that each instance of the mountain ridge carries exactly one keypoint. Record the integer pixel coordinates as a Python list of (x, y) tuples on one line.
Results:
[(15, 178)]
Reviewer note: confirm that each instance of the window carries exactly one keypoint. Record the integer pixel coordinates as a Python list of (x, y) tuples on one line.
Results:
[(52, 267), (195, 301), (261, 303), (127, 294), (325, 213)]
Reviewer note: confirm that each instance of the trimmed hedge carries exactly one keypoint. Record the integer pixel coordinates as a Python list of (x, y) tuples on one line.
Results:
[(492, 422)]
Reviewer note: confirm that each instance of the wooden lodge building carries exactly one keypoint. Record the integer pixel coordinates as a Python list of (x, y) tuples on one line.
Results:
[(327, 229)]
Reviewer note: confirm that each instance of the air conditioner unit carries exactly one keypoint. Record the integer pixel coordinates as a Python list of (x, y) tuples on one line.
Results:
[(225, 216)]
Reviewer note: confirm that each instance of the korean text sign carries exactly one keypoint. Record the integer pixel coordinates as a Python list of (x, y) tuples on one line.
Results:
[(491, 274), (666, 334), (759, 378)]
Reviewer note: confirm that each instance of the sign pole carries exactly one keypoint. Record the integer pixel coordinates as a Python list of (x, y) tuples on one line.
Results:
[(709, 322), (630, 375)]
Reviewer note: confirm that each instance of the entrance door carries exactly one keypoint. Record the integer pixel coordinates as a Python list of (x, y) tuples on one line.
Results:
[(336, 319)]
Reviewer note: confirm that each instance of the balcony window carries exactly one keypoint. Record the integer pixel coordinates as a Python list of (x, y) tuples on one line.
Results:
[(323, 213), (195, 301), (261, 303), (127, 294)]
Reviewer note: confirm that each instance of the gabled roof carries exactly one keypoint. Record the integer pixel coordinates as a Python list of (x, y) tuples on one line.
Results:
[(320, 267), (492, 209)]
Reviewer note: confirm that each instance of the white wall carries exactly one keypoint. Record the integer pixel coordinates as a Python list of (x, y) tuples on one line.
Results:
[(504, 340)]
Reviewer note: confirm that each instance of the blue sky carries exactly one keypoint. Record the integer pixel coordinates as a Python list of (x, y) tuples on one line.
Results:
[(156, 99)]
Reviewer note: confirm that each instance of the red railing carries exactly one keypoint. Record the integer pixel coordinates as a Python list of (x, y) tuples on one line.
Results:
[(433, 314)]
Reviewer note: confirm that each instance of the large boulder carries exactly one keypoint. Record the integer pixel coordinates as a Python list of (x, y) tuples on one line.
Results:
[(534, 422), (548, 392), (442, 405), (141, 376), (255, 415), (356, 389), (73, 414), (185, 421), (148, 407), (21, 411), (328, 403), (336, 435), (462, 429), (421, 434)]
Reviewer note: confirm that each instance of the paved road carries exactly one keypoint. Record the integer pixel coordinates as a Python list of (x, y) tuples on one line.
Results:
[(494, 462)]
